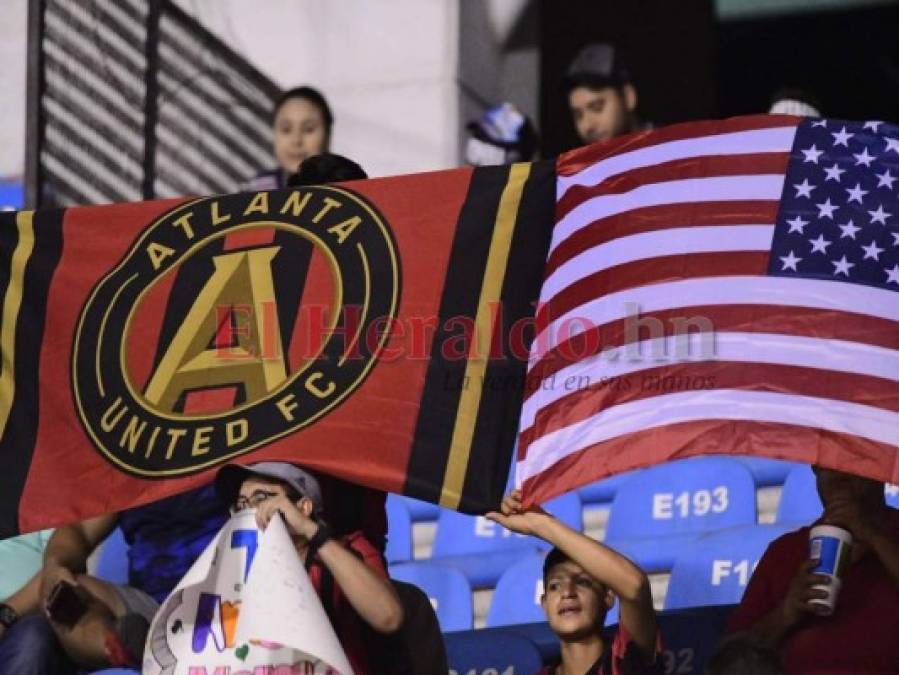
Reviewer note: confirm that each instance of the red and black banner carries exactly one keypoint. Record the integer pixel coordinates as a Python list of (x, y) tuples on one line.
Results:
[(377, 331)]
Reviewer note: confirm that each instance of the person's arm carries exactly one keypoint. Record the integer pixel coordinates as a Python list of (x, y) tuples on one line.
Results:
[(610, 568), (370, 595), (780, 621), (68, 550)]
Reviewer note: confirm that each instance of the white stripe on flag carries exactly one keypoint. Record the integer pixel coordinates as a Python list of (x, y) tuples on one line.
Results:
[(765, 187), (722, 404), (737, 290), (670, 241), (779, 139), (768, 348)]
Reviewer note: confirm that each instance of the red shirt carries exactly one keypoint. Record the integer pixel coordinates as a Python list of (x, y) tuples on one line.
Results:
[(860, 637), (351, 630), (625, 659)]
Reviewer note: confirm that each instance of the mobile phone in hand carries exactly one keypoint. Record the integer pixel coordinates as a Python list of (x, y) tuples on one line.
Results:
[(64, 605)]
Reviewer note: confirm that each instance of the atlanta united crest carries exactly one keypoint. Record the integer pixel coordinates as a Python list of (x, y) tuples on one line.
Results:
[(232, 322)]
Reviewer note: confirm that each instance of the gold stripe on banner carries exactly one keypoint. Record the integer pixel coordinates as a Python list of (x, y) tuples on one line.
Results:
[(470, 399), (12, 303)]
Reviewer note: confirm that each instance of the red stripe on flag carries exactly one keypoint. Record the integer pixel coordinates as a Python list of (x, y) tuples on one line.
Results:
[(656, 270), (680, 169), (663, 217), (683, 376), (801, 321), (575, 161), (735, 437)]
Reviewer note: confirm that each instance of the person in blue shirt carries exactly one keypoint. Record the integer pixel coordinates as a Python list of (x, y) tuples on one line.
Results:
[(165, 538)]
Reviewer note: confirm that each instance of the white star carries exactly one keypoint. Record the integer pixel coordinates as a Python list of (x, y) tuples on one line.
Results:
[(826, 209), (893, 275), (872, 251), (789, 262), (879, 216), (842, 266), (804, 189), (841, 137), (892, 144), (797, 225), (856, 193), (863, 158), (834, 173), (812, 154), (872, 125), (885, 179), (820, 123), (895, 238), (820, 244), (849, 230)]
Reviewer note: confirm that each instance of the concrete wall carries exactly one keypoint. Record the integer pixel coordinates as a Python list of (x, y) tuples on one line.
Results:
[(13, 24), (388, 67)]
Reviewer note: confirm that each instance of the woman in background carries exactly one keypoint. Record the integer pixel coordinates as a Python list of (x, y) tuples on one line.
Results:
[(301, 128)]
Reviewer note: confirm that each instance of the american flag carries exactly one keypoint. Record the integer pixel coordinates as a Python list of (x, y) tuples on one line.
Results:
[(725, 287)]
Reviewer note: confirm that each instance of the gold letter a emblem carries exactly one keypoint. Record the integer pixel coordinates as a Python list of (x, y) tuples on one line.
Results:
[(195, 359)]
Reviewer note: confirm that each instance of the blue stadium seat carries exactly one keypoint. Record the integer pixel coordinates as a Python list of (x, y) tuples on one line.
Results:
[(659, 512), (799, 501), (480, 652), (567, 508), (419, 510), (603, 491), (517, 596), (892, 494), (479, 548), (447, 588), (399, 531), (716, 570), (767, 472), (112, 559)]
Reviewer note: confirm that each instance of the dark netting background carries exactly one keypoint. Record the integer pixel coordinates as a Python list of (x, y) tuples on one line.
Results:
[(136, 100)]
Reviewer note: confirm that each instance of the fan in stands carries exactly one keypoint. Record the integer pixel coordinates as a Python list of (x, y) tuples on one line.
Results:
[(582, 578)]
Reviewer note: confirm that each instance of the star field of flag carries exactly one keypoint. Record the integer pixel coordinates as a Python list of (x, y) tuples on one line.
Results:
[(839, 212)]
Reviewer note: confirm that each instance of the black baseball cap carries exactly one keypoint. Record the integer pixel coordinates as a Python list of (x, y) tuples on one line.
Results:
[(596, 65)]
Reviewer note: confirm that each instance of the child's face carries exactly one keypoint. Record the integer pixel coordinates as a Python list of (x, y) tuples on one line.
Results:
[(574, 602)]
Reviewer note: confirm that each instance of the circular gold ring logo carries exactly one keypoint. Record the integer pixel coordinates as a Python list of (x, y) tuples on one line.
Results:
[(194, 349)]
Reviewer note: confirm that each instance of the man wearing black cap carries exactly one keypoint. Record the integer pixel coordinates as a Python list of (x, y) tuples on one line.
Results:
[(602, 98), (348, 573)]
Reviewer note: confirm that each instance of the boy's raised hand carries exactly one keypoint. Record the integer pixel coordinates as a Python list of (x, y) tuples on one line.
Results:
[(515, 518)]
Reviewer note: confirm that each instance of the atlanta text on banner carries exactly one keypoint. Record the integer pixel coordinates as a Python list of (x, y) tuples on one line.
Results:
[(719, 287), (356, 329)]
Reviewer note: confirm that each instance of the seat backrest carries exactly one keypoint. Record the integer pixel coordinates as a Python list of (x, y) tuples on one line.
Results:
[(446, 588), (458, 533), (683, 497), (717, 568), (518, 592), (112, 558), (419, 510), (603, 491), (484, 652), (799, 501), (891, 492), (767, 472), (567, 508), (399, 530)]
